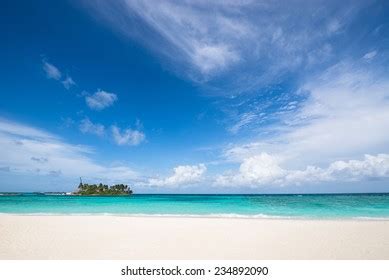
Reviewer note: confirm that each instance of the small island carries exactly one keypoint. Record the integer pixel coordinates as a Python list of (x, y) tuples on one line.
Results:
[(101, 189)]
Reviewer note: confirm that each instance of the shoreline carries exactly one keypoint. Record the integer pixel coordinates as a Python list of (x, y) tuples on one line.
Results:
[(199, 216), (168, 238)]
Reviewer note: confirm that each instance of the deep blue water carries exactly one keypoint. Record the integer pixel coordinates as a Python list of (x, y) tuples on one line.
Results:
[(294, 206)]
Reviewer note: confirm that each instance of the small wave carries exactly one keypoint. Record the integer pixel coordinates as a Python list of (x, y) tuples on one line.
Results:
[(372, 218), (216, 215)]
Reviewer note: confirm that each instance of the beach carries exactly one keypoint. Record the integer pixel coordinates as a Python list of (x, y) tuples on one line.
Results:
[(182, 238)]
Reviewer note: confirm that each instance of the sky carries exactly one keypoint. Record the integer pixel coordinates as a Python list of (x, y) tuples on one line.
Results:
[(195, 96)]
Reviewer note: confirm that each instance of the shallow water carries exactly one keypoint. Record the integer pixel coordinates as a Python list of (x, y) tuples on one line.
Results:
[(364, 206)]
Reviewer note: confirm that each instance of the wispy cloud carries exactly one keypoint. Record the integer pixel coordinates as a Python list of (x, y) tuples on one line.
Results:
[(370, 55), (53, 72), (258, 41), (68, 82), (22, 131), (130, 137), (244, 120), (344, 116), (86, 126), (346, 113), (122, 137), (24, 146), (183, 175), (100, 100)]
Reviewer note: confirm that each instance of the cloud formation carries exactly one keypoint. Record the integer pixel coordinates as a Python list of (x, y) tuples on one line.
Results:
[(243, 120), (258, 41), (131, 137), (68, 82), (184, 175), (344, 117), (52, 72), (265, 170), (345, 114), (23, 145), (86, 126), (100, 100)]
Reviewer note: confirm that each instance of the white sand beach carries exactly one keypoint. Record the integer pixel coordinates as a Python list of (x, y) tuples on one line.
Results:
[(115, 237)]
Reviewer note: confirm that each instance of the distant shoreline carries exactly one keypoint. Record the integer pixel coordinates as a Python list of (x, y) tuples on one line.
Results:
[(199, 194), (61, 193)]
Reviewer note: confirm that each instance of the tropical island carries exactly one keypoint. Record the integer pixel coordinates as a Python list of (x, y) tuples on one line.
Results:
[(101, 189)]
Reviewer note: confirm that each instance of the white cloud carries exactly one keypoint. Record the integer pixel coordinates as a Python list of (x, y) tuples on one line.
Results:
[(52, 72), (21, 143), (265, 170), (344, 116), (131, 137), (351, 170), (369, 167), (68, 82), (257, 170), (183, 175), (187, 28), (259, 40), (210, 58), (86, 126), (19, 130), (100, 100), (244, 119)]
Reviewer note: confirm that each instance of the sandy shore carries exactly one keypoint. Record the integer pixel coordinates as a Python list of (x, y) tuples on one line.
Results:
[(109, 237)]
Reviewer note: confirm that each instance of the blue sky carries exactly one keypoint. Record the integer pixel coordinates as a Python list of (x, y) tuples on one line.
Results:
[(192, 96)]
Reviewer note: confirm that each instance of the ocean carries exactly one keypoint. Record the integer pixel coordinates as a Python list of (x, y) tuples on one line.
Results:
[(308, 206)]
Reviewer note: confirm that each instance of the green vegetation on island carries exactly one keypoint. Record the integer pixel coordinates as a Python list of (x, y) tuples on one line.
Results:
[(100, 189)]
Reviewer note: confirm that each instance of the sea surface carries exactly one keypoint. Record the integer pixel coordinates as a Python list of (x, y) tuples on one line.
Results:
[(316, 206)]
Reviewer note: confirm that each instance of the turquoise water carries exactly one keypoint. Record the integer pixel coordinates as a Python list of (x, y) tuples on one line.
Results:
[(276, 206)]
